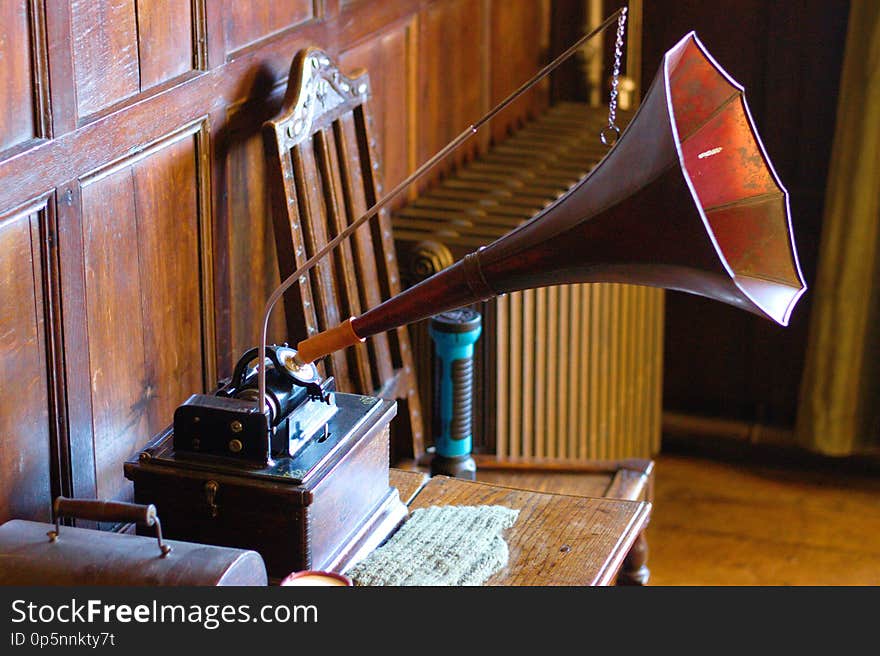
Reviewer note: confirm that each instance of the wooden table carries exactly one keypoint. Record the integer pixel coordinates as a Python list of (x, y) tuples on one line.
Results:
[(558, 539)]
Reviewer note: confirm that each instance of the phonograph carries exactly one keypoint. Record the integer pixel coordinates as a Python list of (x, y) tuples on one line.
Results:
[(686, 199)]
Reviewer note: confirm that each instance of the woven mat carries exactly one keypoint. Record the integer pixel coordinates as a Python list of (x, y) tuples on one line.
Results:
[(440, 545)]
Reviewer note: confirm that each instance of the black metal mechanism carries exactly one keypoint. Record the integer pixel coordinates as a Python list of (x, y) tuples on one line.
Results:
[(298, 405)]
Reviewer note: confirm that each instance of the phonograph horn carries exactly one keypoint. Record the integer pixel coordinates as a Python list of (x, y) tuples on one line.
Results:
[(686, 200)]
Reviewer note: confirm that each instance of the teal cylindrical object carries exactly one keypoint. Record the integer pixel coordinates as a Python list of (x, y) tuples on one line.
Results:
[(454, 334)]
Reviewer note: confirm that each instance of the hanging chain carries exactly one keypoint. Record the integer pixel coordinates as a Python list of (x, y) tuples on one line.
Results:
[(605, 134)]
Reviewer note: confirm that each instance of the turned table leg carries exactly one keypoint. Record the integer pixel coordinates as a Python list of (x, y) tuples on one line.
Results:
[(635, 569)]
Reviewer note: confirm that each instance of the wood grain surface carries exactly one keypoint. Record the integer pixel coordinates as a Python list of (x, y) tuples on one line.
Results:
[(740, 523), (248, 23), (616, 479), (105, 46), (24, 420), (557, 539), (17, 115), (587, 485), (143, 301), (165, 43), (408, 483)]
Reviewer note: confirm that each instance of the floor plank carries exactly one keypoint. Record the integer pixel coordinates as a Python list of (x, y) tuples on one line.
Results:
[(730, 523)]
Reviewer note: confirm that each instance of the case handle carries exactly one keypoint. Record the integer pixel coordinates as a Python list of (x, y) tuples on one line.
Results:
[(107, 511)]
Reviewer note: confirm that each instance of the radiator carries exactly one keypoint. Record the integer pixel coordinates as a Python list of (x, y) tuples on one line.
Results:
[(570, 372)]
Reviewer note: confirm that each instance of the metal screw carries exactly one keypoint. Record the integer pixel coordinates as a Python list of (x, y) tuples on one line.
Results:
[(236, 426), (235, 446)]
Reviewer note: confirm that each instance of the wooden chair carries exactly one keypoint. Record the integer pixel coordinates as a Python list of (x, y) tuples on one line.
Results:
[(325, 172)]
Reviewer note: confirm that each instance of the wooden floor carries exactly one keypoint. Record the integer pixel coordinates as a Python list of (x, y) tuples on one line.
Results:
[(734, 523)]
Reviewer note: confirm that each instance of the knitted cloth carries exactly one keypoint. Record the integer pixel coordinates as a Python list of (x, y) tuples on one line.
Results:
[(440, 545)]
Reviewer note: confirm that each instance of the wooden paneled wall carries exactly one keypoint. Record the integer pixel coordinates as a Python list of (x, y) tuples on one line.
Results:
[(135, 232)]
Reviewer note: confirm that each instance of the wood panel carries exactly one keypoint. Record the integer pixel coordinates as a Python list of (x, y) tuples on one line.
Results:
[(518, 46), (142, 269), (247, 22), (17, 115), (165, 40), (390, 59), (122, 47), (452, 93), (105, 47), (25, 450), (253, 264)]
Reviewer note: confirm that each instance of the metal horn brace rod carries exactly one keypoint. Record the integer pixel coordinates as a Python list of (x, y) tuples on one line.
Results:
[(424, 168)]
